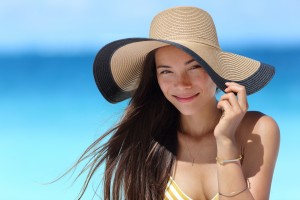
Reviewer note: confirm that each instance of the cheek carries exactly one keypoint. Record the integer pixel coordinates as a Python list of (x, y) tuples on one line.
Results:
[(205, 80), (164, 84), (211, 86), (166, 87)]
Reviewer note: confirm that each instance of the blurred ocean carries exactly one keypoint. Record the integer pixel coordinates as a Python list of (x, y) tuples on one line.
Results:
[(51, 110)]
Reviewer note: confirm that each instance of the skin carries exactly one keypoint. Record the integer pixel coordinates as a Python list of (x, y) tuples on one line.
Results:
[(211, 128)]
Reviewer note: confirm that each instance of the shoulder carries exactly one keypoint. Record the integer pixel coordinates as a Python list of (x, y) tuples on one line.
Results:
[(261, 137), (260, 124)]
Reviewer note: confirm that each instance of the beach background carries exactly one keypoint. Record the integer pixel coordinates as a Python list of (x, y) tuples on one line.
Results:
[(51, 110)]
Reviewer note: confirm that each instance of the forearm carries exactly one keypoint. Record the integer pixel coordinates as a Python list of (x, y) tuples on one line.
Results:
[(231, 179)]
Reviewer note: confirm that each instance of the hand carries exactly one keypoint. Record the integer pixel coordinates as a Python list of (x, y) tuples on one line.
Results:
[(234, 108)]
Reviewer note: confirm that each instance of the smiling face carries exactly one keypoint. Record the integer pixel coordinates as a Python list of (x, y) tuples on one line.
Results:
[(183, 81)]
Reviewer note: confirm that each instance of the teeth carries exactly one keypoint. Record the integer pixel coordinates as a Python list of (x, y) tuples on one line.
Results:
[(187, 96)]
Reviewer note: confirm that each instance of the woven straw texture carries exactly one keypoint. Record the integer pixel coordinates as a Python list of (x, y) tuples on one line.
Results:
[(118, 65)]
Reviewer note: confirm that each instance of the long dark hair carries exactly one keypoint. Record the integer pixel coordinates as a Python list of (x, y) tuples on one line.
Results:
[(141, 151)]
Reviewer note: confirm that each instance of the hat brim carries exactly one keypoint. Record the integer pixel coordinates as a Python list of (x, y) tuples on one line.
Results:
[(118, 65)]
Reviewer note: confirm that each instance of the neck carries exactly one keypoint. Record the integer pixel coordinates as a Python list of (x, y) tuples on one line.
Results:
[(201, 123)]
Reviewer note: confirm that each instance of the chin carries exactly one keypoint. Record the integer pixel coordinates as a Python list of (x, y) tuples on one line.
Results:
[(187, 111)]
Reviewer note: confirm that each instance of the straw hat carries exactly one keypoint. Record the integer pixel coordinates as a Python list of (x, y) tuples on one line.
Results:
[(118, 65)]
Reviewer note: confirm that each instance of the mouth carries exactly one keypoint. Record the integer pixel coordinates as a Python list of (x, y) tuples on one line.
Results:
[(186, 99)]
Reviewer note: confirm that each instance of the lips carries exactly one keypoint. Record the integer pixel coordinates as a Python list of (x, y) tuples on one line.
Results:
[(186, 98)]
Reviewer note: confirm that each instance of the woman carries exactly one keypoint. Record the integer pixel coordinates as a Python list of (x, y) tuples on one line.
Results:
[(175, 140)]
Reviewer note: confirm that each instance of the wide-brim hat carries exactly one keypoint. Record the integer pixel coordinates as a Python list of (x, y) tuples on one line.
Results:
[(118, 65)]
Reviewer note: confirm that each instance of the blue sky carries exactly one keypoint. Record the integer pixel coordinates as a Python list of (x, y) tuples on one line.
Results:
[(82, 25)]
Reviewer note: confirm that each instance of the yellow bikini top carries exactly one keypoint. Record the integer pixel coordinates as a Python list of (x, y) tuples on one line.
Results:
[(173, 192)]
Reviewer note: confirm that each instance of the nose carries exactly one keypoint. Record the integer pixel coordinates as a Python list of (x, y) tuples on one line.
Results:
[(183, 81)]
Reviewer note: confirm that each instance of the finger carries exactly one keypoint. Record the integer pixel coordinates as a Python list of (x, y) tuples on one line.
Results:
[(232, 99), (224, 106), (241, 93)]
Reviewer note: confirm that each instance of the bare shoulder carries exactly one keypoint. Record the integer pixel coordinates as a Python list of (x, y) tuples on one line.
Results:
[(261, 138), (261, 129), (258, 123)]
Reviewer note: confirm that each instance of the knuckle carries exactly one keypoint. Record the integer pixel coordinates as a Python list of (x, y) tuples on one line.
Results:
[(231, 94), (238, 111), (243, 111), (225, 96)]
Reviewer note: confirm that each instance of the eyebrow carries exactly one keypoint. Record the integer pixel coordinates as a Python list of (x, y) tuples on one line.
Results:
[(162, 66), (190, 61), (166, 66)]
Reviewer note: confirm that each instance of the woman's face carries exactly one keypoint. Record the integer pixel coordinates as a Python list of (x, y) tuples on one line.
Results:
[(183, 81)]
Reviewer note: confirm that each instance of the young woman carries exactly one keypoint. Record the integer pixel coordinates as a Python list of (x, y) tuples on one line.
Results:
[(175, 140)]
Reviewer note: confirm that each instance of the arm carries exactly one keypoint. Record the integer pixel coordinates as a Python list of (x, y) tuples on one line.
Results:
[(259, 162), (231, 176)]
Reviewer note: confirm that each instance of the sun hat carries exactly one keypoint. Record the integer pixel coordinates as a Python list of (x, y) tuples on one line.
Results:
[(117, 66)]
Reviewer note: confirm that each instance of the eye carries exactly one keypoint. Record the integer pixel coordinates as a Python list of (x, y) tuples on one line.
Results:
[(165, 72), (195, 67)]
